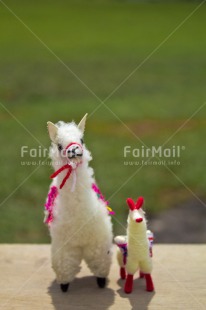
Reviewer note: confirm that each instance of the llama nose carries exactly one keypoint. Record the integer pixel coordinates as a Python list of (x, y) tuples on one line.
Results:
[(139, 220), (74, 151)]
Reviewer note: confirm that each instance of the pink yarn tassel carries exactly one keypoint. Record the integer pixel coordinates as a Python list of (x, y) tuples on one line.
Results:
[(49, 205)]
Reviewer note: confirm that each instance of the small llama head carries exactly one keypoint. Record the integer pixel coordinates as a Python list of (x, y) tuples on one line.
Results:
[(136, 213), (67, 143)]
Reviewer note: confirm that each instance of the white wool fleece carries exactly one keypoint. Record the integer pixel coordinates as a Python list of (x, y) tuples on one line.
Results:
[(81, 228)]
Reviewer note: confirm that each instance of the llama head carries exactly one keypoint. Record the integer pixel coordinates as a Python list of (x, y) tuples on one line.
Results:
[(136, 213), (67, 143)]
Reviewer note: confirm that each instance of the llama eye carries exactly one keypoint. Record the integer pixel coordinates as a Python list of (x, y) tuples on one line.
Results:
[(82, 141), (59, 147)]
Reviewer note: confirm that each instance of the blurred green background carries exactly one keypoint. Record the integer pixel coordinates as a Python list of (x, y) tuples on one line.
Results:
[(102, 42)]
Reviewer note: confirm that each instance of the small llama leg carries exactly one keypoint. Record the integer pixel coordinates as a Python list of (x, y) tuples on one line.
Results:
[(149, 282), (141, 274), (121, 242), (122, 273), (129, 284)]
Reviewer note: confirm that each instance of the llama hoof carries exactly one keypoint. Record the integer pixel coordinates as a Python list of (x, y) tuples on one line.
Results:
[(150, 289), (127, 290), (64, 287), (101, 282)]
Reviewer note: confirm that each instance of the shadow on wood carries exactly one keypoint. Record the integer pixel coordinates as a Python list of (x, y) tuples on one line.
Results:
[(27, 282), (139, 298), (83, 292)]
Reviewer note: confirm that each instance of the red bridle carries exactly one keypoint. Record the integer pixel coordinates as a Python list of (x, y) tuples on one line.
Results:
[(72, 143), (67, 166)]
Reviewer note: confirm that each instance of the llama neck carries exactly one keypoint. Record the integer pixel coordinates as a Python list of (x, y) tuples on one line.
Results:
[(137, 239), (81, 176)]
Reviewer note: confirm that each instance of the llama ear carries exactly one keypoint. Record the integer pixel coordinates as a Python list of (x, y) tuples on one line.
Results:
[(131, 204), (52, 129), (139, 203), (81, 124)]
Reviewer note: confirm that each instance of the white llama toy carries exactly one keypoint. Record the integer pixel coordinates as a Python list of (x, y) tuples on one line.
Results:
[(75, 210), (135, 249)]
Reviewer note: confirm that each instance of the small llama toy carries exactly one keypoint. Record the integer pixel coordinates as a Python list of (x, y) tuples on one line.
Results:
[(135, 249), (75, 210)]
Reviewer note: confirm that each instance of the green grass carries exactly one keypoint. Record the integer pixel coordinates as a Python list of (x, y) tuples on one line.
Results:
[(101, 42)]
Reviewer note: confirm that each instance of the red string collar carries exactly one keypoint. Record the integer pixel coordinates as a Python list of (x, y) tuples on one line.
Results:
[(67, 166)]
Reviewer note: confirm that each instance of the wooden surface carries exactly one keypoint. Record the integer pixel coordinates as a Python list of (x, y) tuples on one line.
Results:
[(27, 282)]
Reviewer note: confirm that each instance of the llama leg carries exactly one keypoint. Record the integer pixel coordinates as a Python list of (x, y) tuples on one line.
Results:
[(128, 284), (66, 263), (99, 262), (121, 264), (131, 267), (141, 274), (149, 282), (146, 268)]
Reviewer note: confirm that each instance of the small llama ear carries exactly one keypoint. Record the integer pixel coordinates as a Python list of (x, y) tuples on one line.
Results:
[(52, 129), (131, 204), (139, 203), (81, 124)]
